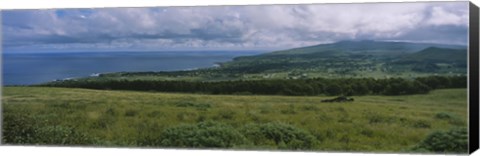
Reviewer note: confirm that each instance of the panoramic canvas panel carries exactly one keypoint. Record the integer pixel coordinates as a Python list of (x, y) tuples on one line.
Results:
[(372, 77)]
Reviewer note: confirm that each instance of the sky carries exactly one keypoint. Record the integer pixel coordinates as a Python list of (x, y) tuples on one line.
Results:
[(264, 27)]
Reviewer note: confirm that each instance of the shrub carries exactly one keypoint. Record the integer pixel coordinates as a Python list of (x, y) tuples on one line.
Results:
[(60, 105), (155, 113), (367, 132), (452, 119), (131, 112), (204, 134), (18, 129), (203, 106), (345, 118), (110, 111), (421, 124), (282, 135), (201, 118), (198, 106), (184, 104), (323, 117), (289, 110), (443, 115), (23, 129), (103, 122), (374, 118), (345, 139), (452, 141), (310, 108), (265, 109), (182, 116), (318, 135), (60, 135), (330, 133), (227, 114)]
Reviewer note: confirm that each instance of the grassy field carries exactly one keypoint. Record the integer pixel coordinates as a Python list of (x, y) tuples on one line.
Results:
[(130, 119)]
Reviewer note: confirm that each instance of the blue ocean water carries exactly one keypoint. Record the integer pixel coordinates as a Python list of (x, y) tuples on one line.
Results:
[(25, 69)]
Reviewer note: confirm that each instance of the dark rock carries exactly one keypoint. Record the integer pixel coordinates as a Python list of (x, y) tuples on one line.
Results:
[(339, 99)]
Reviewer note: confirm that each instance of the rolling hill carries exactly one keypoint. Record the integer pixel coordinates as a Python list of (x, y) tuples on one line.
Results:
[(343, 59), (364, 46), (346, 57), (437, 55)]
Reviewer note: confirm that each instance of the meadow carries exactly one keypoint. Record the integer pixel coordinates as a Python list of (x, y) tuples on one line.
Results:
[(372, 123)]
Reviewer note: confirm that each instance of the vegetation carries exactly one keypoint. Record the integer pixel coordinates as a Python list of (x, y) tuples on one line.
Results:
[(344, 59), (67, 116), (281, 135), (408, 97), (28, 129), (201, 135), (452, 141), (317, 86)]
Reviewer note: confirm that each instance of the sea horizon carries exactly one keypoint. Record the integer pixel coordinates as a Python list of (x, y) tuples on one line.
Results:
[(36, 68)]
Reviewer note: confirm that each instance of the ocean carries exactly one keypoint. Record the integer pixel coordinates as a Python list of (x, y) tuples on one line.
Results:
[(35, 68)]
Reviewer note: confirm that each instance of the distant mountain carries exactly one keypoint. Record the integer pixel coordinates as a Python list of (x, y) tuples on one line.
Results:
[(366, 46), (342, 48), (437, 55), (355, 58), (344, 59)]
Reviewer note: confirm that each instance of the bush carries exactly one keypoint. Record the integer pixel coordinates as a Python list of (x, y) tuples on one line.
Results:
[(131, 113), (103, 122), (451, 118), (18, 129), (421, 124), (289, 110), (198, 106), (227, 114), (367, 132), (204, 134), (24, 129), (182, 116), (282, 135), (443, 115), (155, 113), (111, 111), (184, 104), (375, 118), (60, 135), (452, 141), (310, 108)]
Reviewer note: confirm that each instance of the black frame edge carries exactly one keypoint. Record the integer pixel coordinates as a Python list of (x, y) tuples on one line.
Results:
[(473, 78)]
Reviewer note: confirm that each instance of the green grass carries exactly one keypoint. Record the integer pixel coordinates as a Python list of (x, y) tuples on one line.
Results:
[(127, 118)]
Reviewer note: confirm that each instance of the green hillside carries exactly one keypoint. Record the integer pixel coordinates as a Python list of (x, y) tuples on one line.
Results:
[(365, 46), (344, 59), (356, 58), (437, 55), (422, 109)]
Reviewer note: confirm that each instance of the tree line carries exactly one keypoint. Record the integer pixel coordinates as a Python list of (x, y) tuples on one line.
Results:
[(299, 87)]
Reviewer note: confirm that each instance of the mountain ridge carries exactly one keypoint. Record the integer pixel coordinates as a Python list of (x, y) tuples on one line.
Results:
[(364, 45), (344, 59), (356, 58)]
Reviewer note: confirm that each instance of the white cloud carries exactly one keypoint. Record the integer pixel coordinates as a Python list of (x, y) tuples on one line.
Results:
[(231, 26), (440, 16)]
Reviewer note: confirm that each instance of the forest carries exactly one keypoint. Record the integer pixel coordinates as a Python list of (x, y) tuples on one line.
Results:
[(298, 87)]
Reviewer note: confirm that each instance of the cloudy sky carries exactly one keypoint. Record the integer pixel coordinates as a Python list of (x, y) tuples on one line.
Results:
[(231, 27)]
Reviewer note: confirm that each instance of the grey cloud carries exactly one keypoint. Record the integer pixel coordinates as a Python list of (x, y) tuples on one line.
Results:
[(235, 26), (449, 34)]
